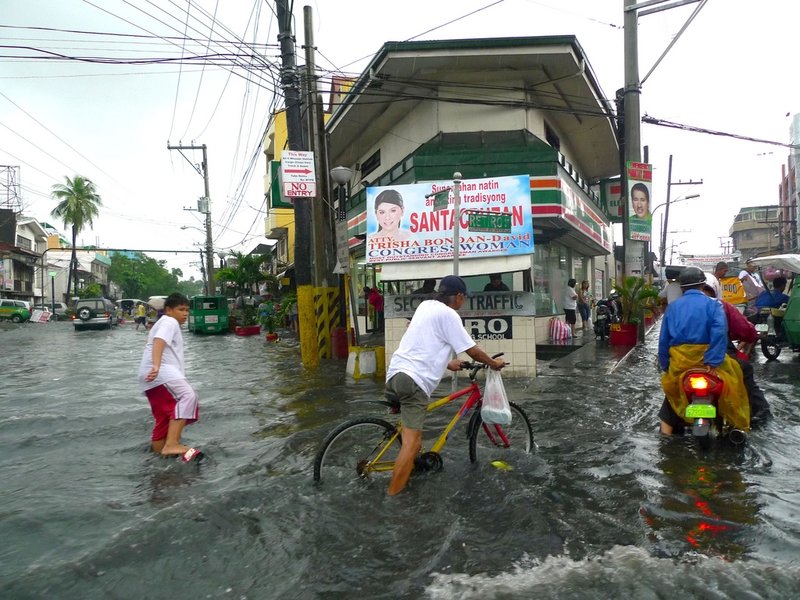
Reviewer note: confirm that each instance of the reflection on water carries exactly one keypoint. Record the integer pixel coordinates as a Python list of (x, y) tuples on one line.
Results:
[(603, 508), (705, 502)]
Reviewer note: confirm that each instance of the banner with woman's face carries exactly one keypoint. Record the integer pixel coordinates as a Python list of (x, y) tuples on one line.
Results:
[(640, 177)]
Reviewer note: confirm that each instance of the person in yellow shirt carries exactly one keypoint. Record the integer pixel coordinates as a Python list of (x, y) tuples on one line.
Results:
[(141, 315)]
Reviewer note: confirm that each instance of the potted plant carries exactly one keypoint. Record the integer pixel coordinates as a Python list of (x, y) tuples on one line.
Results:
[(273, 315), (248, 316), (634, 296)]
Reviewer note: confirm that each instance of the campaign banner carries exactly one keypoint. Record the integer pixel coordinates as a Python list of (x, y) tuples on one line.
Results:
[(640, 220), (403, 223)]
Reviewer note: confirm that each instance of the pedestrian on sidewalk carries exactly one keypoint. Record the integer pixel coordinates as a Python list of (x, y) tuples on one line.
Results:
[(571, 305), (585, 304)]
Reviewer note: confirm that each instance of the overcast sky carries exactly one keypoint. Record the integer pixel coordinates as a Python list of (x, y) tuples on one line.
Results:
[(732, 71)]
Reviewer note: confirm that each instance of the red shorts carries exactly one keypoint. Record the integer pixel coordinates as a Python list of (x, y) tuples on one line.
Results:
[(169, 402)]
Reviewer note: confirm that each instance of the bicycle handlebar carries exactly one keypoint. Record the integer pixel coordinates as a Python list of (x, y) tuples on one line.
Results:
[(477, 366)]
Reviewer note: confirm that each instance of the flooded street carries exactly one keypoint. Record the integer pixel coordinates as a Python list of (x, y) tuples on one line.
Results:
[(603, 508)]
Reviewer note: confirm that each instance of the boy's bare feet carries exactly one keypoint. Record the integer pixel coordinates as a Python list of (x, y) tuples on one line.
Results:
[(173, 450)]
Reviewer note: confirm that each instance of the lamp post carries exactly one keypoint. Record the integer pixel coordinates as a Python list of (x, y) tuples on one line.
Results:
[(53, 291)]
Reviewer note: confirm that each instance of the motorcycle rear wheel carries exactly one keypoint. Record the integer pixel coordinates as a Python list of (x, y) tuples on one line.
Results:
[(770, 348)]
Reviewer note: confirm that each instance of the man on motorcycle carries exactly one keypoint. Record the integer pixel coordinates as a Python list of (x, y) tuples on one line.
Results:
[(694, 332), (742, 331)]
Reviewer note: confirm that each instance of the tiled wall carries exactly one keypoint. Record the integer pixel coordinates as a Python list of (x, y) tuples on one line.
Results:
[(520, 351)]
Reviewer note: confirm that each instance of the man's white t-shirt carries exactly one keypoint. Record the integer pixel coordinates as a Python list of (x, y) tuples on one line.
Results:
[(168, 329), (671, 292), (435, 332), (751, 284)]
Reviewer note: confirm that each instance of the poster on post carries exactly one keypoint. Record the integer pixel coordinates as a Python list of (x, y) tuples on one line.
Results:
[(403, 223), (640, 219)]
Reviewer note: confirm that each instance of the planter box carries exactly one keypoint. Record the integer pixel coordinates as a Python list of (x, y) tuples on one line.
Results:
[(248, 330), (623, 334)]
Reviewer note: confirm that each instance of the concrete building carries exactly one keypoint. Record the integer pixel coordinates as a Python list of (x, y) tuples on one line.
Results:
[(486, 108), (756, 231)]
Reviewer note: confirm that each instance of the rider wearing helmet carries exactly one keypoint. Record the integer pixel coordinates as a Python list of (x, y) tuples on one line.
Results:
[(694, 332)]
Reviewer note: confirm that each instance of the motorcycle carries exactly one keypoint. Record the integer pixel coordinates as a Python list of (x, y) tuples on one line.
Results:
[(780, 328), (606, 312), (703, 390), (768, 323)]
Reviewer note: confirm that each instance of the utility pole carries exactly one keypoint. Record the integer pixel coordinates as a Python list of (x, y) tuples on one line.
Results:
[(634, 249), (203, 206), (306, 315), (665, 226), (320, 240)]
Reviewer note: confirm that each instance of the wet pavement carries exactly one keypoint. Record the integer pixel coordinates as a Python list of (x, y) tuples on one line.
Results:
[(603, 508)]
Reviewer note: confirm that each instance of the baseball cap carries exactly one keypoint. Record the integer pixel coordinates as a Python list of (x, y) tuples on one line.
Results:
[(452, 285)]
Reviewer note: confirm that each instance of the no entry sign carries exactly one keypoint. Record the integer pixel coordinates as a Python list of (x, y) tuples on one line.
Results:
[(297, 174)]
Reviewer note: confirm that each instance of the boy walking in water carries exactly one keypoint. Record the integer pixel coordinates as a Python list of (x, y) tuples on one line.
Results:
[(162, 379)]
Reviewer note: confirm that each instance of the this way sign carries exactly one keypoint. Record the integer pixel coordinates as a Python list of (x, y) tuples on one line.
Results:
[(297, 174)]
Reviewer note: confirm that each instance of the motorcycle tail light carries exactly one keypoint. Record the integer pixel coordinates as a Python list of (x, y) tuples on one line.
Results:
[(698, 383)]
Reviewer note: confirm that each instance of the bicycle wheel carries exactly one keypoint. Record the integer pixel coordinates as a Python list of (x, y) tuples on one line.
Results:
[(351, 451), (500, 442)]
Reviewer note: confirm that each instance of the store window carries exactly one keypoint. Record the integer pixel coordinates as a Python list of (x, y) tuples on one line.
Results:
[(550, 275)]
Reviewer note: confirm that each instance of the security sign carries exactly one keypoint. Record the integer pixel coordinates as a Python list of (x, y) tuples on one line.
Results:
[(297, 174)]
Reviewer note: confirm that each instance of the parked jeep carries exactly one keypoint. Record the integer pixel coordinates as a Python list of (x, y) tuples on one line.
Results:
[(94, 313)]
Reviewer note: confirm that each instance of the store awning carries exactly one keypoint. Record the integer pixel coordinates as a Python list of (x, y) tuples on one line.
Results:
[(417, 270)]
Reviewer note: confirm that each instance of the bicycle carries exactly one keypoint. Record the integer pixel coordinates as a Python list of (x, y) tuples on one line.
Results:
[(364, 446)]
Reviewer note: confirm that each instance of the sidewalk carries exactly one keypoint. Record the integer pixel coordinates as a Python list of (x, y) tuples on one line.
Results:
[(591, 354)]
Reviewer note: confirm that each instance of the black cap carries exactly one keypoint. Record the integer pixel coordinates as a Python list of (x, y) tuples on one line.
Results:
[(452, 285)]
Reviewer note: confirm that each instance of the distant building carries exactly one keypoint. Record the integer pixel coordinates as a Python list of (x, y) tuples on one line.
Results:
[(757, 231)]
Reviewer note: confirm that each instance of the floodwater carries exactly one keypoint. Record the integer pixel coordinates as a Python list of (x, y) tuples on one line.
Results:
[(603, 508)]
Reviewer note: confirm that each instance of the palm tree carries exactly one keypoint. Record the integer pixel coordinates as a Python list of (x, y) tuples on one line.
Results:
[(77, 207)]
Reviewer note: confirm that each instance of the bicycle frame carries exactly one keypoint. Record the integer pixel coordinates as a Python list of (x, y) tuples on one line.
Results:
[(474, 396)]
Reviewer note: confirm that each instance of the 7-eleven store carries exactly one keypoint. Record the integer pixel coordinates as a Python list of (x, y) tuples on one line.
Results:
[(573, 239)]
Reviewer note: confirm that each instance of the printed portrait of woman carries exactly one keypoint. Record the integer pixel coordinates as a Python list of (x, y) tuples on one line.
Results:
[(389, 215), (640, 201)]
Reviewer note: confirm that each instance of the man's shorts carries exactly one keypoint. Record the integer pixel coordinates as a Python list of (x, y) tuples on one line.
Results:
[(570, 316), (403, 390), (169, 402)]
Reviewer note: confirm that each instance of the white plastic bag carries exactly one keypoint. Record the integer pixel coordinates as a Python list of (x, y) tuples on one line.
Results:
[(495, 409)]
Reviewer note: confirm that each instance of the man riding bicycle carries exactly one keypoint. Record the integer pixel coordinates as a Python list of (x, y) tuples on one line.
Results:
[(418, 364)]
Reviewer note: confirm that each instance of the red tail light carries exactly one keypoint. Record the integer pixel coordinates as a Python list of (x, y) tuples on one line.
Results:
[(698, 382), (701, 383)]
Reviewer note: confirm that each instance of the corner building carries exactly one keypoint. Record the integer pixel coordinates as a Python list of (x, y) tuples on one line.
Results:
[(495, 107)]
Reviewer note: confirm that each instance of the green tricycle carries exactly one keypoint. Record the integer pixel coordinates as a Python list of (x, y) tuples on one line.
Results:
[(781, 326)]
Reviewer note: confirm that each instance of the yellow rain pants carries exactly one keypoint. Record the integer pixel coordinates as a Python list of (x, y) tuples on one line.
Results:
[(733, 404)]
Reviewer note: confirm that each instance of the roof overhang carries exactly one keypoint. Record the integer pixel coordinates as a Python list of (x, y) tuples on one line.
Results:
[(552, 71)]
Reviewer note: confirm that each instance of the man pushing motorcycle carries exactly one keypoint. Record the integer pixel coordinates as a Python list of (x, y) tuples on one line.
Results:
[(694, 333)]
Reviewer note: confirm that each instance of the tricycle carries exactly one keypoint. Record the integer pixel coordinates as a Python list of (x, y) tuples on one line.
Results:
[(780, 327)]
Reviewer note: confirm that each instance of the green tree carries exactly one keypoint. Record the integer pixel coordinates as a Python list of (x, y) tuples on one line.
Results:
[(247, 273), (78, 205), (143, 276)]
